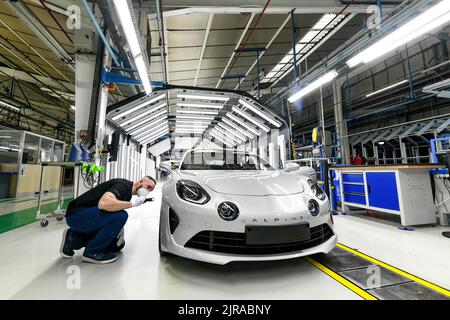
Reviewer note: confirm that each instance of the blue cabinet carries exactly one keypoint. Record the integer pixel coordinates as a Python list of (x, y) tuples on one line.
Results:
[(382, 190)]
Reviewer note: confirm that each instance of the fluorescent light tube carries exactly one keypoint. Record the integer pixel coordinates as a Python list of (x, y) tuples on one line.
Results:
[(124, 14), (225, 136), (143, 74), (231, 124), (432, 18), (194, 117), (387, 88), (144, 121), (153, 133), (328, 77), (228, 134), (200, 105), (223, 141), (9, 106), (144, 132), (186, 126), (197, 112), (198, 122), (127, 112), (150, 110), (243, 124), (201, 97), (151, 125), (159, 135), (248, 117), (260, 113), (232, 131), (188, 131)]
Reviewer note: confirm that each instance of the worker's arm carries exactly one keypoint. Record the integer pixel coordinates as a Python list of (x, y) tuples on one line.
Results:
[(109, 202)]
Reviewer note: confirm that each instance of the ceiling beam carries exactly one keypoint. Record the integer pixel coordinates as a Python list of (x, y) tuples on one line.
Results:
[(267, 47), (316, 46), (205, 40), (33, 49), (33, 22), (249, 22), (312, 7)]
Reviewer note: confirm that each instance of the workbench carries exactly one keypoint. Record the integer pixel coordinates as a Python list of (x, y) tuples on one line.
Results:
[(404, 190)]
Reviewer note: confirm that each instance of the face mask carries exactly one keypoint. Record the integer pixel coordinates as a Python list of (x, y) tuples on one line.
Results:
[(142, 192)]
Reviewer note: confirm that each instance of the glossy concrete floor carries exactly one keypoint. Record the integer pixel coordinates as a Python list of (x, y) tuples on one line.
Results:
[(31, 267)]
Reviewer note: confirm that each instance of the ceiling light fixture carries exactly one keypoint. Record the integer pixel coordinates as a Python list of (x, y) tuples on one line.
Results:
[(260, 113), (387, 88), (200, 105), (251, 119), (9, 106), (151, 126), (231, 131), (231, 124), (328, 77), (196, 112), (243, 124), (143, 104), (144, 121), (124, 14), (201, 97), (432, 18)]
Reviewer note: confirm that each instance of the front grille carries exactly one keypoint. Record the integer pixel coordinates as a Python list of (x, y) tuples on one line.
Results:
[(235, 243)]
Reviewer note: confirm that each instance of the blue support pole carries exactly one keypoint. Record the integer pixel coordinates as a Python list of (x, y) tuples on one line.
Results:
[(100, 32), (380, 9), (294, 54), (412, 95), (109, 77)]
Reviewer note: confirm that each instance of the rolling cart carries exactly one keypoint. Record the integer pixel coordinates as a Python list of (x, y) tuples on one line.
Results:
[(59, 213)]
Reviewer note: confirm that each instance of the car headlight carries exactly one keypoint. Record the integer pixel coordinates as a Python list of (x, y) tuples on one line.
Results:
[(191, 192), (317, 190), (313, 207)]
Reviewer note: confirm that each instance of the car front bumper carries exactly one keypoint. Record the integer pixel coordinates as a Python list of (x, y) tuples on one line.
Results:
[(267, 211)]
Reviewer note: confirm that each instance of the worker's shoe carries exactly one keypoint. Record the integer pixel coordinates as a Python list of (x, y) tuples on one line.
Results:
[(66, 244), (99, 258), (446, 234)]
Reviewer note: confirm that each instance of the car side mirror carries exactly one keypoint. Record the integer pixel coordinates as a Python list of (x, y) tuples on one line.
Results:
[(291, 166)]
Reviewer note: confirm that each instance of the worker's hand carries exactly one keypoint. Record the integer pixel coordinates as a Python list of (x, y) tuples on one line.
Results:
[(137, 201)]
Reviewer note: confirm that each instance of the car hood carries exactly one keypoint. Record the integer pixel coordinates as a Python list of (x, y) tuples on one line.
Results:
[(248, 183)]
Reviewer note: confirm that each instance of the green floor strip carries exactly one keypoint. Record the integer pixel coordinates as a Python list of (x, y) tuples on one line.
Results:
[(20, 218)]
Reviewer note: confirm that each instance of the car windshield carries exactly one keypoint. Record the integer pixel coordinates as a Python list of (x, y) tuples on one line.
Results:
[(224, 160)]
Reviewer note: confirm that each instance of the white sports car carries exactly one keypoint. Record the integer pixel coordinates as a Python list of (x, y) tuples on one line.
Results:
[(226, 205)]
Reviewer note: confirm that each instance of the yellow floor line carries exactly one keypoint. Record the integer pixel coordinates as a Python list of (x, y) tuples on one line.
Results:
[(396, 270), (350, 285)]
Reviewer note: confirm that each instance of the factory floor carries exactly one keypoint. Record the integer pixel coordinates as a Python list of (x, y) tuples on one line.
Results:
[(31, 267)]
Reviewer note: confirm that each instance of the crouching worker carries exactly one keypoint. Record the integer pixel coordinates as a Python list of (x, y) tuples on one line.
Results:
[(97, 217)]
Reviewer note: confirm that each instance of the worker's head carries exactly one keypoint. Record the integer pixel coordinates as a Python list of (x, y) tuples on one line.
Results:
[(143, 186)]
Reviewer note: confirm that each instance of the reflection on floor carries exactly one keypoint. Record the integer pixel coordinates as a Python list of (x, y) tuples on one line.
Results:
[(422, 251), (31, 267), (11, 205)]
